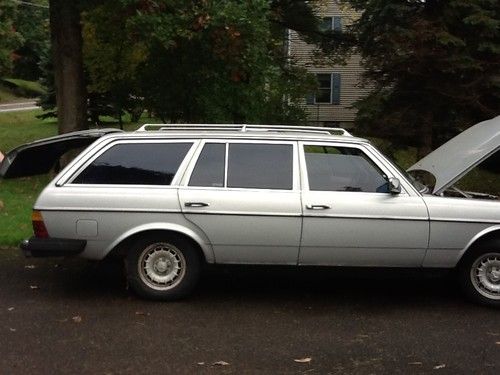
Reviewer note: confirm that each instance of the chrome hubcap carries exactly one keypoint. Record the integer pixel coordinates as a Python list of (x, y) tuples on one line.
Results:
[(161, 266), (485, 275)]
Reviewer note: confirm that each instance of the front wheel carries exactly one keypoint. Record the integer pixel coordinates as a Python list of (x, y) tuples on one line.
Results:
[(480, 276), (163, 268)]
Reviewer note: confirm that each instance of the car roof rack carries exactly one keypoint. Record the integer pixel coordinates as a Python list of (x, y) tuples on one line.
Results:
[(245, 128)]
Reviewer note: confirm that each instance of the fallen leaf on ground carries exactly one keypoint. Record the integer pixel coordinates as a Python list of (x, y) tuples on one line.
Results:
[(30, 266), (220, 363), (415, 363), (439, 366), (34, 287), (200, 363), (12, 329), (498, 343), (303, 360), (77, 319), (10, 309)]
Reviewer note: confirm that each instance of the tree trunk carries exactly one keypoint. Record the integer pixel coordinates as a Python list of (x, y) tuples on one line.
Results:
[(120, 120), (66, 38)]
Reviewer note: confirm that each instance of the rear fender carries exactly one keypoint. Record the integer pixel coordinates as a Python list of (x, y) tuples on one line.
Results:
[(202, 242)]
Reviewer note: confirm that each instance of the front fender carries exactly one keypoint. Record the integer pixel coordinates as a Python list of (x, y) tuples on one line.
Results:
[(477, 237)]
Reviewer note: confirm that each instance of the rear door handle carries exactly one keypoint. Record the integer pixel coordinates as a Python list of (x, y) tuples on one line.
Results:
[(318, 207), (196, 204)]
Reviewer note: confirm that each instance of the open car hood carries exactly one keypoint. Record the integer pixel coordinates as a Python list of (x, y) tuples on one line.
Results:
[(40, 156), (455, 158)]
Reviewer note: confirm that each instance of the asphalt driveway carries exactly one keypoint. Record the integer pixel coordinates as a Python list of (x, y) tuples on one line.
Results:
[(73, 316)]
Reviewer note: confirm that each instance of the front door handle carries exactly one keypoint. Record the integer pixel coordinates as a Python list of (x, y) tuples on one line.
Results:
[(318, 207), (196, 204)]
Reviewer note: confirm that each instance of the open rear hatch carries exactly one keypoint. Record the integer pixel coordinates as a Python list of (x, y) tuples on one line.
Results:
[(41, 156)]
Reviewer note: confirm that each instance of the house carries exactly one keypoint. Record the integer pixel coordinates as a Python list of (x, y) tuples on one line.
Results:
[(339, 85)]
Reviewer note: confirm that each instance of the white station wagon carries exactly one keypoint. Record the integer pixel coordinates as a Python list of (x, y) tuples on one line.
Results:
[(168, 198)]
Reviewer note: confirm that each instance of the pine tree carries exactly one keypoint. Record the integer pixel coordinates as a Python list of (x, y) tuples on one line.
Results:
[(434, 65)]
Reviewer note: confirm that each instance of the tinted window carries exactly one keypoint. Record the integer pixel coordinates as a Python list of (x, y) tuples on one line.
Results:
[(260, 166), (138, 164), (343, 169), (209, 169)]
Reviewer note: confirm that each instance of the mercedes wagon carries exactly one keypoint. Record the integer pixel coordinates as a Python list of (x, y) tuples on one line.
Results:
[(169, 198)]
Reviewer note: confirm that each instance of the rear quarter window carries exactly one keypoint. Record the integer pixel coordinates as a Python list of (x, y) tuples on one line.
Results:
[(135, 164)]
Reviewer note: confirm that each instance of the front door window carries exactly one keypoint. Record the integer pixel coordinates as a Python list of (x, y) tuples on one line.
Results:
[(331, 168)]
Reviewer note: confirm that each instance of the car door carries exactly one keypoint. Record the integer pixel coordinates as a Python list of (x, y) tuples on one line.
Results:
[(350, 218), (244, 195)]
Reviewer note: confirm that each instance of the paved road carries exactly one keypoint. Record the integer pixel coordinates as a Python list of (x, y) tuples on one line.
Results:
[(76, 317), (18, 106)]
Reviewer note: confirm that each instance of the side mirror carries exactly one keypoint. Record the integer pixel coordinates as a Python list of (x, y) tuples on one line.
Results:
[(394, 186)]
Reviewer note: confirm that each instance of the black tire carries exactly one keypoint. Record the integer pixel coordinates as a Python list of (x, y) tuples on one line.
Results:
[(162, 267), (478, 274)]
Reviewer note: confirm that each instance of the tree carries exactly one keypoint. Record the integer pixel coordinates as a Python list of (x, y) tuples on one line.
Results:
[(112, 56), (32, 23), (196, 61), (10, 39), (66, 40), (434, 66)]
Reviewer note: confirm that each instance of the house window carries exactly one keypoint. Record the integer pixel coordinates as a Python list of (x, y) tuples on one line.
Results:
[(324, 93), (331, 23), (328, 90)]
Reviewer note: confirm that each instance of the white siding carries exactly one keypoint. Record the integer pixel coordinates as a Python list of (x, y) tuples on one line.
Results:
[(350, 89)]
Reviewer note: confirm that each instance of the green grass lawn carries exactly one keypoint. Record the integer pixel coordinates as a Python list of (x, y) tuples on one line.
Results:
[(7, 95), (20, 127), (24, 88), (15, 90)]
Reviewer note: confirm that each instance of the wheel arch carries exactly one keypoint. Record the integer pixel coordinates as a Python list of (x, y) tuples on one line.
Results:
[(118, 247), (483, 237)]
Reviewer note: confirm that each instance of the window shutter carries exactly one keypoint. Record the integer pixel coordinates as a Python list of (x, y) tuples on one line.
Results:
[(310, 99), (336, 88), (337, 23)]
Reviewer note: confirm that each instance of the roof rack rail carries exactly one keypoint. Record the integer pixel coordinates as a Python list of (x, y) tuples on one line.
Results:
[(245, 128)]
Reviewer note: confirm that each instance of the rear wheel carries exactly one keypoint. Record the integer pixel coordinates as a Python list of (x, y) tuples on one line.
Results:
[(163, 267), (479, 275)]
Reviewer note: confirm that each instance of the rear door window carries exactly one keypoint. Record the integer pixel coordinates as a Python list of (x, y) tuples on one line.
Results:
[(135, 164), (260, 166)]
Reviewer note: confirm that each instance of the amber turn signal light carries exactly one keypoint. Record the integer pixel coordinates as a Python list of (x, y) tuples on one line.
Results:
[(39, 228)]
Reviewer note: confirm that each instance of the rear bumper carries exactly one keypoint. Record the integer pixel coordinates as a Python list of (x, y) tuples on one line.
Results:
[(52, 247)]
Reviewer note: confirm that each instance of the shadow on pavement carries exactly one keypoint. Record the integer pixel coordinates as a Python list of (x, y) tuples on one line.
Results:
[(80, 279)]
